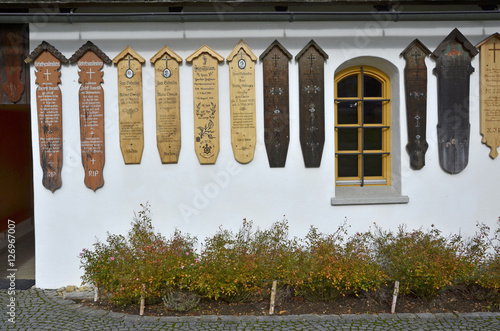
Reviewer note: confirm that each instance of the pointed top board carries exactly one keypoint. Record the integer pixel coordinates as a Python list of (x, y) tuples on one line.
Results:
[(91, 102), (241, 63), (275, 61), (487, 40), (415, 75), (89, 46), (453, 69), (128, 50), (206, 103), (311, 43), (245, 48), (205, 49), (129, 69), (45, 46), (167, 51), (167, 96), (489, 73), (47, 61), (275, 43), (455, 35), (411, 47), (311, 60)]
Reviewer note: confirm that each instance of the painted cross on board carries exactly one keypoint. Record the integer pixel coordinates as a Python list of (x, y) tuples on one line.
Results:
[(90, 72), (275, 58), (241, 53), (311, 58), (494, 49), (47, 73)]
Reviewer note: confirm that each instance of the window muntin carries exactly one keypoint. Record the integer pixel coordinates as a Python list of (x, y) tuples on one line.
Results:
[(362, 127)]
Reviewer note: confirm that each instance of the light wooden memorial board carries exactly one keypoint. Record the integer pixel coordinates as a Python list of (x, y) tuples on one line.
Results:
[(276, 104), (242, 90), (47, 61), (90, 60), (206, 103), (311, 61), (168, 112), (453, 69), (130, 105), (416, 102), (490, 92)]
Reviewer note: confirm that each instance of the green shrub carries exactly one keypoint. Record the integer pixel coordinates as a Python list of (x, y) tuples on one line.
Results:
[(241, 266), (123, 265), (423, 262), (489, 272), (328, 268)]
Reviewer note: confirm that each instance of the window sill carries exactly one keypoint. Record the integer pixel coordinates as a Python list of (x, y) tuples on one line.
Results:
[(368, 195)]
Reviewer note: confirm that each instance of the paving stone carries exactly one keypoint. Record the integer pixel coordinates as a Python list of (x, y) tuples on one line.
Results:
[(44, 310)]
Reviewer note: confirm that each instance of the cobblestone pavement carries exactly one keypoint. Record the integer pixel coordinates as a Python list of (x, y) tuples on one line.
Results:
[(43, 310)]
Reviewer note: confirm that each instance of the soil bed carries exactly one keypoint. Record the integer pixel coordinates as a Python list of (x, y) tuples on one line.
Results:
[(446, 302)]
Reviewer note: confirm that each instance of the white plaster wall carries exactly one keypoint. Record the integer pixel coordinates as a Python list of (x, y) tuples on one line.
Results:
[(198, 199)]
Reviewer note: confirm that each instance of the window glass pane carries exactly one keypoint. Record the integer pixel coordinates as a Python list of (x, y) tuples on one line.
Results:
[(372, 165), (347, 165), (348, 87), (347, 113), (373, 87), (373, 112), (372, 139), (347, 139)]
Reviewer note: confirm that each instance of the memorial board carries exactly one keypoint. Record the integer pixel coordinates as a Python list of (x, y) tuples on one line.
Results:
[(311, 61), (168, 112), (47, 61), (416, 102), (276, 104), (129, 65), (90, 60), (453, 69), (242, 91), (489, 71), (206, 103), (14, 73)]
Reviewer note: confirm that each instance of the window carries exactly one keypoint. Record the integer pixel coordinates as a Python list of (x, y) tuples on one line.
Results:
[(362, 127), (367, 133)]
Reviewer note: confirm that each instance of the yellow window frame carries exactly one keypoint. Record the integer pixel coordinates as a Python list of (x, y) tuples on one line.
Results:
[(385, 98)]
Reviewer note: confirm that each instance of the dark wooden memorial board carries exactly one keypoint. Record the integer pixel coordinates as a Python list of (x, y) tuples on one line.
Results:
[(47, 61), (206, 103), (276, 103), (489, 71), (311, 61), (416, 102), (453, 69), (90, 60), (242, 91), (130, 105), (14, 72), (168, 110)]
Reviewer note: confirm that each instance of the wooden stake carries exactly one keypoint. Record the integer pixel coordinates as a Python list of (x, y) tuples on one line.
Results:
[(141, 310), (395, 297), (273, 297)]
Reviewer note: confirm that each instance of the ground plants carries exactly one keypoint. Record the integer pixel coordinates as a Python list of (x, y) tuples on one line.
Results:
[(240, 266)]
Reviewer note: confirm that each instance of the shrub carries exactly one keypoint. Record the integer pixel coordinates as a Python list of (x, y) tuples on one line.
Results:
[(423, 262), (241, 266), (489, 272), (122, 265), (328, 268)]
